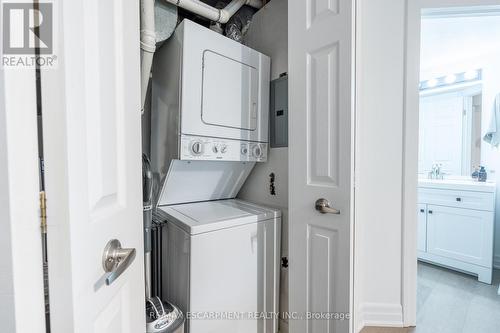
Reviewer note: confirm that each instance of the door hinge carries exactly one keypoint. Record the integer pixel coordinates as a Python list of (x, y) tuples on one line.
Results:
[(43, 212)]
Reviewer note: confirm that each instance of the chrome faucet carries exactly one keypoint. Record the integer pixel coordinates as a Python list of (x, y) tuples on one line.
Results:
[(436, 171)]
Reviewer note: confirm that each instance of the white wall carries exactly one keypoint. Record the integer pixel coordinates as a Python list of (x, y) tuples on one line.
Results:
[(379, 157), (451, 45), (268, 34)]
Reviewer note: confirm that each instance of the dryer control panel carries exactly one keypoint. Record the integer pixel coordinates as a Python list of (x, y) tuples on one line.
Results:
[(215, 149)]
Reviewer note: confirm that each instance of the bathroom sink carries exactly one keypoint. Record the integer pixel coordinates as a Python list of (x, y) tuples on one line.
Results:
[(458, 184)]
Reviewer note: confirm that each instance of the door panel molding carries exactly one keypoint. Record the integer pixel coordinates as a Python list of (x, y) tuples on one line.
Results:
[(322, 250), (323, 115)]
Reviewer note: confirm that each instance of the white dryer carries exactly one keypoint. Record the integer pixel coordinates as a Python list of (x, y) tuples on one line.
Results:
[(222, 265), (210, 98)]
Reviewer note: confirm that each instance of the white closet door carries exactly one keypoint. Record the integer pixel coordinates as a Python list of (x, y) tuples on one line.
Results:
[(92, 144), (320, 43)]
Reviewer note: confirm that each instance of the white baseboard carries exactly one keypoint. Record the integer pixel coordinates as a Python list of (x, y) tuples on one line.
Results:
[(380, 314), (496, 261)]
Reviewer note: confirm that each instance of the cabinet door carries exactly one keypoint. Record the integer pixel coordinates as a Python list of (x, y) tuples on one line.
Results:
[(422, 228), (461, 234)]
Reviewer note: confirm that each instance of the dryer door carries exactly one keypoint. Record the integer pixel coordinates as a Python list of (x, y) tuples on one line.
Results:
[(230, 92), (224, 87)]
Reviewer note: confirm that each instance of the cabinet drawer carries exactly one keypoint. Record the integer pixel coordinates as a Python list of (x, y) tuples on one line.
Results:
[(460, 199)]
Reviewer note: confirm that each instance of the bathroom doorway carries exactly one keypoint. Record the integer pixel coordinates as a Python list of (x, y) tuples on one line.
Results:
[(453, 61)]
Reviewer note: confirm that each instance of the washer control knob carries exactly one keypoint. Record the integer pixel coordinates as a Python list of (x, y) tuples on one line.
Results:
[(215, 148), (257, 151), (244, 150), (223, 149), (197, 147)]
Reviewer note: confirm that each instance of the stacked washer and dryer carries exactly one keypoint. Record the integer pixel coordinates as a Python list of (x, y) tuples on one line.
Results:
[(209, 127)]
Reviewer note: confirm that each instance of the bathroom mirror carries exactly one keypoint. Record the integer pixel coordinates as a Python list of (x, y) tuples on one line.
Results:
[(450, 130)]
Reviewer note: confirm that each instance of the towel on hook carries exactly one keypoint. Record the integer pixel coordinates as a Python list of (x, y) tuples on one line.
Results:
[(492, 135)]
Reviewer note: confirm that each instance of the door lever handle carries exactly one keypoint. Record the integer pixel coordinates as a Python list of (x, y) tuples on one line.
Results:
[(323, 206), (115, 260)]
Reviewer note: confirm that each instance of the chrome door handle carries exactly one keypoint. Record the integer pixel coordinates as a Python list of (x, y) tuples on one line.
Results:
[(323, 206), (115, 260)]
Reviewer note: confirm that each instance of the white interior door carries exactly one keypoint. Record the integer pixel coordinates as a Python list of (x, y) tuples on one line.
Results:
[(320, 72), (92, 143)]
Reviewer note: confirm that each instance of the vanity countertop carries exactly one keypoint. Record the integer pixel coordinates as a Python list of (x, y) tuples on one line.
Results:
[(457, 184)]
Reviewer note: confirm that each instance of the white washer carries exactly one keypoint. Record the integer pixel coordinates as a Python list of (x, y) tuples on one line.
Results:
[(221, 265)]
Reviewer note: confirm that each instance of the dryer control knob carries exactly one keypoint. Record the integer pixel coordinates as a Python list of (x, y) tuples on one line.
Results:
[(257, 151), (244, 150), (215, 149), (223, 149), (197, 147)]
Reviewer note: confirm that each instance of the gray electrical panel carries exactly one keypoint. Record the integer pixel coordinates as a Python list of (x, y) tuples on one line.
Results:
[(278, 113)]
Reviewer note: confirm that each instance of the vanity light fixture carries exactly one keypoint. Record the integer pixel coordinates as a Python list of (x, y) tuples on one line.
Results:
[(451, 79), (471, 75), (432, 83)]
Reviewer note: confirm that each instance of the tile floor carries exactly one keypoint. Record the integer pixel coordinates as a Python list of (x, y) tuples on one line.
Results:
[(451, 302)]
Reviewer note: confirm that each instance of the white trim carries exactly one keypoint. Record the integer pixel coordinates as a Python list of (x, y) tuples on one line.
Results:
[(352, 219), (380, 314), (21, 275), (460, 12), (496, 261), (468, 88), (410, 147), (410, 169)]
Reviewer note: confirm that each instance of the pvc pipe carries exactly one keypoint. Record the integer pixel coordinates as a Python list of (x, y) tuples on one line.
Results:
[(212, 13), (254, 3), (230, 10), (148, 45)]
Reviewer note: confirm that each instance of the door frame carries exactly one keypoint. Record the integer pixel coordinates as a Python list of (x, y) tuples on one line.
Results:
[(21, 273), (410, 146)]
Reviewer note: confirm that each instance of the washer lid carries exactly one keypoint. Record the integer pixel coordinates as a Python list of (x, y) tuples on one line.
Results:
[(201, 217)]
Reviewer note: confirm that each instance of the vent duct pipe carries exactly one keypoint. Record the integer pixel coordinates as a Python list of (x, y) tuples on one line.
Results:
[(148, 45), (214, 14)]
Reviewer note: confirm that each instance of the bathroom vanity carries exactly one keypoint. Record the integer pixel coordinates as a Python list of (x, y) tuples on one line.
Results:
[(456, 224)]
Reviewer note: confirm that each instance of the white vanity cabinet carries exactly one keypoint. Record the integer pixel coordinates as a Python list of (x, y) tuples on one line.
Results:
[(456, 224)]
